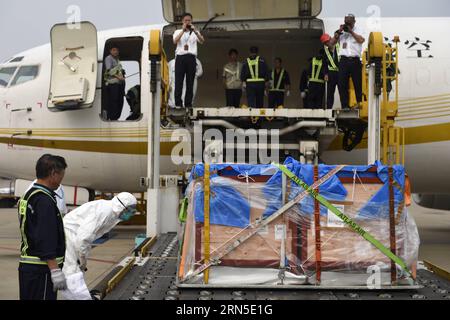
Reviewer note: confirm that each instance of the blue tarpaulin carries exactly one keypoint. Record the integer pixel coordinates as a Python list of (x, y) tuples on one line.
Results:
[(227, 206)]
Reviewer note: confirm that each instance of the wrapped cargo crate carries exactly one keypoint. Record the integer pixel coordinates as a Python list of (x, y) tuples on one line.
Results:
[(259, 227)]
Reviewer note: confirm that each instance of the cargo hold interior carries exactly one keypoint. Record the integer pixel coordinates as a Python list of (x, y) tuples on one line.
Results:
[(294, 45)]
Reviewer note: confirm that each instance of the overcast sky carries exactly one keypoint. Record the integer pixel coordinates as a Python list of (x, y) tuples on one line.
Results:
[(26, 23)]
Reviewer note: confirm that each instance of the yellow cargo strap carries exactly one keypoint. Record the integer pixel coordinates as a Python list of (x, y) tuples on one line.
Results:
[(331, 64), (206, 185), (280, 79), (254, 73), (183, 210), (315, 72), (347, 220)]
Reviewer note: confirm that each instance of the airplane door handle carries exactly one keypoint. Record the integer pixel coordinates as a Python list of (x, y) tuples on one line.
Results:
[(22, 109)]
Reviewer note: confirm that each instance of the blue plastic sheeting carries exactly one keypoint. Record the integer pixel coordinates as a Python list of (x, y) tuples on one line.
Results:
[(233, 170), (227, 205), (230, 208), (332, 189)]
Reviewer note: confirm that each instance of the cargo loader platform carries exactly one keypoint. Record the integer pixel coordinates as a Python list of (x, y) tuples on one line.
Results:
[(155, 279)]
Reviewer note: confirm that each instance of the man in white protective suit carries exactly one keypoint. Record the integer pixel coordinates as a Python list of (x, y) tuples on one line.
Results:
[(198, 74), (82, 227)]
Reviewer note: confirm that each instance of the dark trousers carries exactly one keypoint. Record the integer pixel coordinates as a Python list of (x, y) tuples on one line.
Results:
[(349, 67), (305, 102), (36, 286), (114, 99), (185, 66), (316, 93), (276, 98), (333, 79), (233, 97), (255, 94)]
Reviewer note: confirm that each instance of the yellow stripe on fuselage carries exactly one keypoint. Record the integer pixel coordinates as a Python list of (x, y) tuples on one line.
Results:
[(413, 135)]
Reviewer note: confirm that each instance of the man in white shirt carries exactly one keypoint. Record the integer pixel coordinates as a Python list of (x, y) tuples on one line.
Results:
[(198, 74), (185, 61), (350, 41)]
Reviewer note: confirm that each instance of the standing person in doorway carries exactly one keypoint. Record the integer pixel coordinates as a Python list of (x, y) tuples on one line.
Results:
[(114, 79), (280, 85), (185, 62), (318, 73), (255, 75), (350, 40), (332, 58), (232, 80)]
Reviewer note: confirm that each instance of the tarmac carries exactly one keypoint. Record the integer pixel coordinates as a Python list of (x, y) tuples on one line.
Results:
[(433, 225), (102, 259)]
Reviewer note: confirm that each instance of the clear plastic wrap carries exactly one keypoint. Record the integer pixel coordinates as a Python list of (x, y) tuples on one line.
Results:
[(247, 249)]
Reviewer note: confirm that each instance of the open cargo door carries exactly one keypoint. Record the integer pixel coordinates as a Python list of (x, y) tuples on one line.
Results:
[(74, 66), (233, 10)]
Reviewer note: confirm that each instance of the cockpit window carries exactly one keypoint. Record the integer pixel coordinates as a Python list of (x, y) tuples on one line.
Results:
[(25, 74), (5, 75)]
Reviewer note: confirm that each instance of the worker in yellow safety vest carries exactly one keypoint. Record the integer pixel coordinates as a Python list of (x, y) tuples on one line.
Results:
[(280, 85), (255, 76), (318, 73), (43, 240), (332, 58)]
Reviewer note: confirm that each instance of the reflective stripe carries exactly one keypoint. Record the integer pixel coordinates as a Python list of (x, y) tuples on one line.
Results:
[(315, 72), (23, 206), (277, 87), (331, 64), (254, 73), (37, 260), (255, 80)]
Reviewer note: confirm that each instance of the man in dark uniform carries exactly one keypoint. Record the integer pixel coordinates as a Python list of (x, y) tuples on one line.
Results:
[(255, 75), (332, 58), (318, 72), (280, 85), (43, 241), (304, 87)]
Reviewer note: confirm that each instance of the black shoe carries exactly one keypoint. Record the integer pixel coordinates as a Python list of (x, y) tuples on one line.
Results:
[(133, 116)]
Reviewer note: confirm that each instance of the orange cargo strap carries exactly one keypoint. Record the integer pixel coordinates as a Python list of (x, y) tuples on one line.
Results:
[(317, 228), (206, 185), (392, 224)]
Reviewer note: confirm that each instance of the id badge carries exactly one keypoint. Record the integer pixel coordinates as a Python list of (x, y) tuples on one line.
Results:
[(186, 47), (344, 45)]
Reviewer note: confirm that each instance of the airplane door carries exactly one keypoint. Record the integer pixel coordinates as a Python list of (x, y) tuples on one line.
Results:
[(74, 66)]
